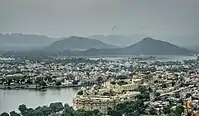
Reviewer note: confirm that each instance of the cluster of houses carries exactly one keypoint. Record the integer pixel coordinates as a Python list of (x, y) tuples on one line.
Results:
[(113, 81)]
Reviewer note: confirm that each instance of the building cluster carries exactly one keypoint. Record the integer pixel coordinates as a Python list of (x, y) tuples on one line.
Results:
[(106, 83), (106, 96), (172, 83)]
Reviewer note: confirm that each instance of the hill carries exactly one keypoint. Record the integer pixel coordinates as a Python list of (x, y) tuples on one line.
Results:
[(146, 46), (77, 43), (117, 40), (18, 41), (152, 46)]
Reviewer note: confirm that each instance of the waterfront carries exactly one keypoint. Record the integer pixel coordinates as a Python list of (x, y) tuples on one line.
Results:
[(61, 72), (11, 99)]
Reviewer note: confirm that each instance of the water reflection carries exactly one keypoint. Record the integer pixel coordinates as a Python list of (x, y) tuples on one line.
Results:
[(11, 99)]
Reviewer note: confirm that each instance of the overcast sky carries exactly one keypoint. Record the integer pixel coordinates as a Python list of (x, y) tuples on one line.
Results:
[(89, 17)]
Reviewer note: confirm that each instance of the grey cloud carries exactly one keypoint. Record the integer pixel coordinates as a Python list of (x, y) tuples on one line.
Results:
[(87, 17)]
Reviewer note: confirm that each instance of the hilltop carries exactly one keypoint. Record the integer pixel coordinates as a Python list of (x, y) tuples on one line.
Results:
[(77, 43)]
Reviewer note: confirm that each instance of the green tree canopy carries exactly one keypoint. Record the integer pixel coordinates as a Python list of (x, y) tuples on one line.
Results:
[(56, 107), (13, 113), (22, 108), (4, 114), (68, 111)]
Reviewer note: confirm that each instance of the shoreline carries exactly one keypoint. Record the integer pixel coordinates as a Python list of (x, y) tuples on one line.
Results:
[(26, 87)]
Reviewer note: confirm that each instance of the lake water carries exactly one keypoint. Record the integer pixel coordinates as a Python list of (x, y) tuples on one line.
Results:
[(11, 99), (159, 57)]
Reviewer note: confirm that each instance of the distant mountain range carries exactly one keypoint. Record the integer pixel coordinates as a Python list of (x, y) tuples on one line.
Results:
[(82, 46), (21, 42), (146, 46), (77, 43), (18, 42)]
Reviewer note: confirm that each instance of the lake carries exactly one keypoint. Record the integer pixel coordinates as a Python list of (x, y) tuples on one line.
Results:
[(159, 57), (11, 99)]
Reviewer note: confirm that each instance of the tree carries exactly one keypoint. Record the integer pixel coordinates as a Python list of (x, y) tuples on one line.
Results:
[(58, 83), (120, 83), (133, 114), (87, 113), (152, 111), (22, 108), (140, 107), (37, 108), (4, 114), (144, 93), (80, 92), (110, 93), (37, 112), (42, 83), (177, 95), (75, 82), (164, 86), (181, 101), (48, 78), (179, 110), (96, 113), (142, 89), (173, 83), (68, 111), (87, 74), (38, 80), (29, 81), (99, 79), (56, 107), (167, 109), (45, 110), (172, 114), (156, 81), (80, 113), (188, 95), (29, 112), (113, 82), (13, 113), (109, 111), (121, 107), (139, 96), (114, 113), (157, 94), (129, 107), (150, 90)]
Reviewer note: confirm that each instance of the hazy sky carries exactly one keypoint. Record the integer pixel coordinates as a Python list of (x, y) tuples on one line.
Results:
[(88, 17)]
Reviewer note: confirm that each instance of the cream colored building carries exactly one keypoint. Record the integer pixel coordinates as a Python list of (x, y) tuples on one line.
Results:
[(132, 85), (94, 99), (95, 102), (101, 103)]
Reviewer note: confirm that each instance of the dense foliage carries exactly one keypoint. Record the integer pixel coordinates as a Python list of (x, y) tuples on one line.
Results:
[(55, 109)]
